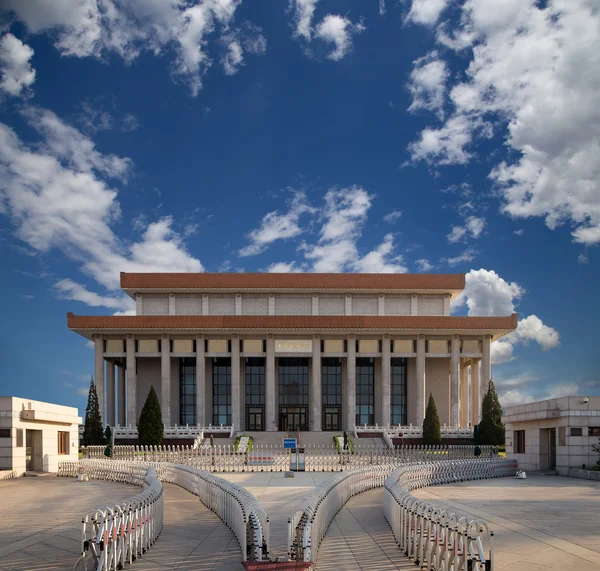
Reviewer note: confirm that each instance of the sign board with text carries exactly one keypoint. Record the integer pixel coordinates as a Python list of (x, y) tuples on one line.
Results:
[(293, 345), (289, 443)]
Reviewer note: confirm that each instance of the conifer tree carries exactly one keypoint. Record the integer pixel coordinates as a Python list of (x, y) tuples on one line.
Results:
[(93, 434), (491, 429), (150, 426), (431, 424)]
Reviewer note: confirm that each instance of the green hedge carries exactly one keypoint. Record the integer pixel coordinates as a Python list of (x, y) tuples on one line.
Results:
[(339, 446), (237, 441)]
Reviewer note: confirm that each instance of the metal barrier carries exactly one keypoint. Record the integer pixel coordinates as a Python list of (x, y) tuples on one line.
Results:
[(264, 458), (114, 536), (309, 522), (435, 538), (236, 506)]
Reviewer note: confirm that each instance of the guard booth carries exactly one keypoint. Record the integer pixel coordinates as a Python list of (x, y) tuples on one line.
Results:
[(296, 454)]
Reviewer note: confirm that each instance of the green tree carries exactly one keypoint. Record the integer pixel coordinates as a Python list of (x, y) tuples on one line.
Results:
[(431, 424), (93, 434), (150, 426), (491, 429)]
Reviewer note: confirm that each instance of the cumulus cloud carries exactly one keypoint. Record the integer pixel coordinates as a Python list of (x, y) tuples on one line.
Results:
[(16, 73), (427, 84), (486, 293), (467, 255), (534, 71), (426, 12), (393, 216), (333, 28), (58, 196), (473, 228), (276, 226), (424, 265), (96, 28)]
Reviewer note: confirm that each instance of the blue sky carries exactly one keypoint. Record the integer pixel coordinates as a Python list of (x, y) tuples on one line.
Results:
[(315, 135)]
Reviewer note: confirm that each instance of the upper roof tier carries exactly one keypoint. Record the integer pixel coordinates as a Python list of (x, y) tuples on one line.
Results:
[(451, 284)]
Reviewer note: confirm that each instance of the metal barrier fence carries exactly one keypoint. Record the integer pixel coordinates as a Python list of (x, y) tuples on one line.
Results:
[(311, 519), (435, 538), (237, 507), (119, 534), (264, 458)]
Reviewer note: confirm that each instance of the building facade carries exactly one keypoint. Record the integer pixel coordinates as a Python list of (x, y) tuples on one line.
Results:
[(36, 436), (292, 351), (555, 434)]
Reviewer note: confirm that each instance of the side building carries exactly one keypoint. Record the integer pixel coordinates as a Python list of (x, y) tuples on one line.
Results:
[(292, 351)]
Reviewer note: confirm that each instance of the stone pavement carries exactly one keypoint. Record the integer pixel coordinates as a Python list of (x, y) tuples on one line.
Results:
[(40, 519), (279, 496), (359, 538), (40, 527), (541, 523)]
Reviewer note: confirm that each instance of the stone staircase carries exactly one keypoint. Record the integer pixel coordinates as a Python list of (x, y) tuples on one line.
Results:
[(306, 438)]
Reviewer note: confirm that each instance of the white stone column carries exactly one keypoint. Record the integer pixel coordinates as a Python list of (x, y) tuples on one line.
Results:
[(447, 304), (205, 308), (348, 304), (315, 304), (351, 384), (271, 302), (200, 382), (139, 306), (385, 380), (381, 304), (238, 304), (172, 307), (165, 379), (420, 388), (475, 392), (486, 365), (132, 416), (235, 382), (414, 304), (99, 372), (110, 393), (270, 386), (464, 394), (455, 381), (316, 400), (122, 395)]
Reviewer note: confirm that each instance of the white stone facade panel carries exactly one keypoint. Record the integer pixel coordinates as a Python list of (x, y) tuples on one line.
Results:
[(431, 305), (188, 305), (332, 305), (255, 305), (397, 305), (293, 305), (156, 305), (364, 305), (221, 305)]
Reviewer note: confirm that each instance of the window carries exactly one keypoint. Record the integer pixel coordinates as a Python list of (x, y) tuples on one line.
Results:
[(594, 431), (222, 391), (331, 377), (187, 390), (519, 441), (19, 438), (293, 381), (255, 381), (576, 431), (63, 442), (398, 392), (365, 391)]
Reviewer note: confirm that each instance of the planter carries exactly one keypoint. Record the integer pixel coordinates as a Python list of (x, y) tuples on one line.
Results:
[(584, 474)]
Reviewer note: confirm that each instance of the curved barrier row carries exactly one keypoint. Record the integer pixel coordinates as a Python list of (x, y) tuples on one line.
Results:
[(265, 458), (432, 537), (114, 536), (236, 507), (312, 517)]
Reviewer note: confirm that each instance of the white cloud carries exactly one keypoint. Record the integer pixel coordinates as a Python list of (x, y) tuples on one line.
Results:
[(583, 259), (473, 227), (233, 58), (57, 197), (467, 255), (519, 232), (424, 265), (486, 293), (283, 268), (456, 234), (68, 289), (426, 12), (333, 28), (89, 344), (16, 73), (304, 12), (427, 84), (96, 28), (83, 391), (392, 216), (381, 7), (513, 397), (338, 31), (247, 39), (534, 70), (276, 226), (381, 260)]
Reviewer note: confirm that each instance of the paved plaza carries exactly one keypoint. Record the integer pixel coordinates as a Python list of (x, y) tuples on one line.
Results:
[(541, 523)]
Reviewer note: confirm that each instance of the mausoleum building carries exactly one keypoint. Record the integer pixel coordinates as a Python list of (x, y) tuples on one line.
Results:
[(292, 351)]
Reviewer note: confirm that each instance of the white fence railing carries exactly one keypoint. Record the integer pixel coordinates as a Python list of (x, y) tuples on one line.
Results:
[(176, 431), (411, 432), (435, 538), (311, 519), (322, 458), (119, 534), (237, 507)]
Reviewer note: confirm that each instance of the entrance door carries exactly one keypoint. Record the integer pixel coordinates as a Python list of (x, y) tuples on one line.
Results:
[(255, 418), (28, 450), (552, 448), (293, 418), (332, 418)]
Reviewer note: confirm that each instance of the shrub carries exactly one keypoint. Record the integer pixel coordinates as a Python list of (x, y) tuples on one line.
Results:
[(237, 442), (340, 445), (431, 424), (150, 426)]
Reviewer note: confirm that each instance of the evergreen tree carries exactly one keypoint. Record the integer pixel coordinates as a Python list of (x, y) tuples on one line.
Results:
[(491, 429), (92, 431), (150, 426), (431, 424)]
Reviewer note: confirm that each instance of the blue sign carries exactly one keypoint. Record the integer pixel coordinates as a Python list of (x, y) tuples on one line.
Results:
[(289, 443)]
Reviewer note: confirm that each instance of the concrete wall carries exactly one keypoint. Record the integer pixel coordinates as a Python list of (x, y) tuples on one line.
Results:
[(46, 421), (437, 382)]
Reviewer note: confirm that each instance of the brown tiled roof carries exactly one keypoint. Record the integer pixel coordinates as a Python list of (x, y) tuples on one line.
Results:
[(382, 282), (290, 322)]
